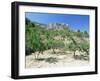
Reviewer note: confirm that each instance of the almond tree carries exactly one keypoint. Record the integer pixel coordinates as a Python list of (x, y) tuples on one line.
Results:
[(84, 47)]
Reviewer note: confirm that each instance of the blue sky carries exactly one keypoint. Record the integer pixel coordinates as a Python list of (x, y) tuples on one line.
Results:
[(75, 21)]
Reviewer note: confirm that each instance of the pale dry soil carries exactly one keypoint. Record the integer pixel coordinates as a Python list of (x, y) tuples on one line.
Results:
[(60, 60)]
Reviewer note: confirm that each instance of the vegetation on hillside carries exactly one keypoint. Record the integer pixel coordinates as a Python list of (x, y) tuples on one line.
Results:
[(39, 39)]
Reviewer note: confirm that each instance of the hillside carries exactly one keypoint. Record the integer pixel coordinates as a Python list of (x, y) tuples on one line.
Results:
[(57, 38)]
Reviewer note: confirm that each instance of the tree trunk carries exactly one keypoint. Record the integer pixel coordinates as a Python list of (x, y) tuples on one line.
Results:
[(74, 54), (87, 52), (53, 51), (41, 52), (35, 55)]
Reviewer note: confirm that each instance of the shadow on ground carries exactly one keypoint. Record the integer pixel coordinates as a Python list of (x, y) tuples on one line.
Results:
[(49, 59)]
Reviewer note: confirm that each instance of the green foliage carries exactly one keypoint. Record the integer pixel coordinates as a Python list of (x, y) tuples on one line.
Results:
[(84, 47), (33, 38), (72, 47), (86, 34), (79, 34), (78, 30), (39, 39)]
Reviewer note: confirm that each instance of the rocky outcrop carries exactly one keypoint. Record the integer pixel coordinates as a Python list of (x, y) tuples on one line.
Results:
[(57, 26)]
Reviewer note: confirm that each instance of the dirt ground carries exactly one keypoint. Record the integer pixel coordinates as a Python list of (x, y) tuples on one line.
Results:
[(60, 59)]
